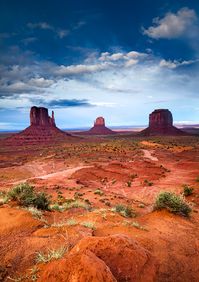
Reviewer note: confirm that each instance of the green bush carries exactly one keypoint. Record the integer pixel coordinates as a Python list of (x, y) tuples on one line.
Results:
[(172, 203), (187, 190), (25, 195), (41, 201), (125, 211)]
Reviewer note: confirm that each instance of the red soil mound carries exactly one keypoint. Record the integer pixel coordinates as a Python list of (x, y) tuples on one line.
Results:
[(97, 259)]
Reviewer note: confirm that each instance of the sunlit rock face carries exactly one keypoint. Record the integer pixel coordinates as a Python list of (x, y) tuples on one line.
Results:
[(161, 123)]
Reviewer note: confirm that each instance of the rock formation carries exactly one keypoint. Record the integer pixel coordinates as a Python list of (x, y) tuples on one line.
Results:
[(42, 129), (39, 116), (161, 123), (99, 128)]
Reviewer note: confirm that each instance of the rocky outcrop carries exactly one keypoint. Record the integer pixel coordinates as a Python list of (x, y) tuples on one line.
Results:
[(40, 117), (161, 123), (99, 128), (98, 259), (42, 129)]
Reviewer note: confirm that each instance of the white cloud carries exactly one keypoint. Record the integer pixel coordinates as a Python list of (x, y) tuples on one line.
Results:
[(61, 33), (172, 25), (80, 69), (106, 56), (131, 62), (41, 82), (136, 83), (174, 64), (41, 25)]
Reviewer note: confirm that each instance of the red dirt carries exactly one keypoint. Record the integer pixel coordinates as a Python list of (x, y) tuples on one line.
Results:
[(102, 244)]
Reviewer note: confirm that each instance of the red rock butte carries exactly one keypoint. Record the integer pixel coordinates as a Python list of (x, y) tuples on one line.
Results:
[(161, 123), (99, 128), (42, 129)]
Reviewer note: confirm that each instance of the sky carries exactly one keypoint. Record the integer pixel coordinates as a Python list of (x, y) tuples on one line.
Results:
[(111, 58)]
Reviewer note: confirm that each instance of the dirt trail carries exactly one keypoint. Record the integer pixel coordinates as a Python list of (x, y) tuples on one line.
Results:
[(64, 173), (147, 155)]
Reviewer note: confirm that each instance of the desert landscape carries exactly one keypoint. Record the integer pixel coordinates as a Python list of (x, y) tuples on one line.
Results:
[(99, 141), (115, 207)]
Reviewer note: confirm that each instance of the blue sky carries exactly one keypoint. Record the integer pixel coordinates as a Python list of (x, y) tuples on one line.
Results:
[(82, 59)]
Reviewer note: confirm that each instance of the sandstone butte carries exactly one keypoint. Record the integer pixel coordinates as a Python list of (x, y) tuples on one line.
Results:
[(99, 128), (42, 129), (161, 123)]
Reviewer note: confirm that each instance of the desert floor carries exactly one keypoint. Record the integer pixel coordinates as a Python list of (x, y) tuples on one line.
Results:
[(94, 242)]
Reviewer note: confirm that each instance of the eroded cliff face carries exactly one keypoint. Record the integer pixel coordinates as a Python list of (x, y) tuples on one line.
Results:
[(39, 117), (161, 123), (160, 118)]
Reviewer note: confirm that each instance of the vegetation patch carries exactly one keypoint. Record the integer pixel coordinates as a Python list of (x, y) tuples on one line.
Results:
[(89, 224), (187, 190), (53, 254), (99, 192), (173, 203), (25, 195), (125, 211)]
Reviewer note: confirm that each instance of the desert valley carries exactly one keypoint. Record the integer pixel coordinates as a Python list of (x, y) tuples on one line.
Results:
[(99, 141), (99, 206)]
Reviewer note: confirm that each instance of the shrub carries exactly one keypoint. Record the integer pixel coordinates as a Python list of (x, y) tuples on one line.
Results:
[(41, 201), (133, 176), (53, 254), (76, 204), (99, 192), (128, 183), (172, 203), (187, 190), (25, 195), (125, 211), (89, 224), (148, 183)]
